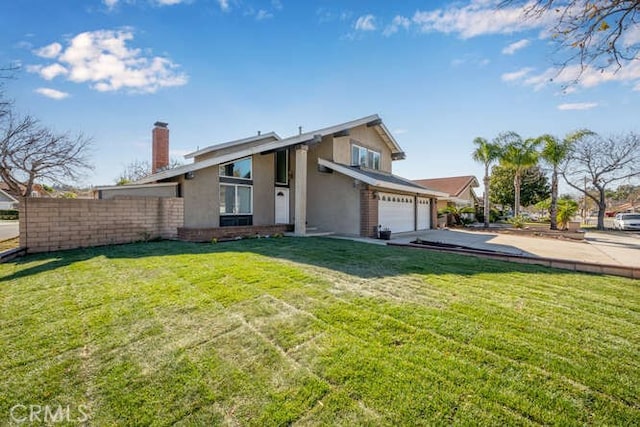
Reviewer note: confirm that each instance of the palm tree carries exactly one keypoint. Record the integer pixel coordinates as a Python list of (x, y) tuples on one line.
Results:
[(486, 153), (520, 155), (555, 152)]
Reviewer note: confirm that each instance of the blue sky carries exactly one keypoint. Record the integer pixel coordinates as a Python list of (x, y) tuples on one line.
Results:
[(439, 74)]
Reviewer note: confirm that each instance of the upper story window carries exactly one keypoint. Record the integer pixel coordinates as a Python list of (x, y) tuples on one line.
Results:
[(282, 167), (365, 157), (237, 169)]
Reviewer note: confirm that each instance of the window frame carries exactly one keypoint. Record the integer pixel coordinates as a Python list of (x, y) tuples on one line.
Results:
[(221, 167), (236, 204), (286, 167), (370, 156)]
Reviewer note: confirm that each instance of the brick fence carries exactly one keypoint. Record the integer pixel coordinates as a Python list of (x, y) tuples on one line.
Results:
[(55, 224), (207, 234)]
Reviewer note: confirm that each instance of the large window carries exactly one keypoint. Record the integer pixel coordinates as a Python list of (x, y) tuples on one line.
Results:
[(282, 167), (364, 157), (237, 169), (236, 199)]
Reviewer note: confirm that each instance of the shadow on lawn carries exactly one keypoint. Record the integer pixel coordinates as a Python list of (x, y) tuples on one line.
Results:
[(358, 259)]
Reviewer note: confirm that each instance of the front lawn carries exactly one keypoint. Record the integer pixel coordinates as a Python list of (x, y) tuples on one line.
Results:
[(314, 332)]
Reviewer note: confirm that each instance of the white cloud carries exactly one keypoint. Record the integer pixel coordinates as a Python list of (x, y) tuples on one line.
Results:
[(110, 3), (365, 23), (49, 51), (51, 93), (577, 106), (516, 75), (224, 5), (52, 71), (590, 76), (479, 17), (276, 4), (263, 14), (516, 46), (397, 23), (103, 59)]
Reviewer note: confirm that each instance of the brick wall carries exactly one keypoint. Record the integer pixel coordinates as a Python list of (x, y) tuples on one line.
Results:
[(368, 213), (207, 234), (55, 224)]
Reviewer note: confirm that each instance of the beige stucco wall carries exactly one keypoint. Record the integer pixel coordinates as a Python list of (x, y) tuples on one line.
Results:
[(264, 189), (364, 137), (466, 195), (201, 194), (155, 191), (201, 208), (333, 201)]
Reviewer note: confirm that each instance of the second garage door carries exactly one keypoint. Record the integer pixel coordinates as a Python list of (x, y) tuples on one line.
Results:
[(396, 212)]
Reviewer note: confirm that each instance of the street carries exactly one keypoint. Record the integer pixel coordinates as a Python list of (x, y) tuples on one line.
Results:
[(8, 229)]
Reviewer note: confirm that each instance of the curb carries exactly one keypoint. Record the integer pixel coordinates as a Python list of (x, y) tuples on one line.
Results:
[(563, 264), (10, 254)]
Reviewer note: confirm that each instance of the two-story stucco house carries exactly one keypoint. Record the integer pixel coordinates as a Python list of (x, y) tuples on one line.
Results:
[(336, 179)]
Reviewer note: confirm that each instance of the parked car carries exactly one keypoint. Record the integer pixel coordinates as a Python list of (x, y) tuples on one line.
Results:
[(627, 221)]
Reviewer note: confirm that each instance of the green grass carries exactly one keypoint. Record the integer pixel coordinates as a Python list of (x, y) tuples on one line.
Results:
[(315, 332)]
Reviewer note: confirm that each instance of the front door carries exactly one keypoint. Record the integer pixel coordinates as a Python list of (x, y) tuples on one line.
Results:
[(282, 205)]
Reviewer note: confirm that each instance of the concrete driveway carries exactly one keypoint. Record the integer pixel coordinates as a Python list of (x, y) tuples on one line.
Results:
[(614, 248), (9, 229)]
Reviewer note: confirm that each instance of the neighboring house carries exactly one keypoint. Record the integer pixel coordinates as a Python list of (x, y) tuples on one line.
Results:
[(336, 179), (37, 190), (459, 190), (7, 201)]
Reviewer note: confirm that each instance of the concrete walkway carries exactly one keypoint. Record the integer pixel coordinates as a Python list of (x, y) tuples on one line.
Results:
[(611, 248)]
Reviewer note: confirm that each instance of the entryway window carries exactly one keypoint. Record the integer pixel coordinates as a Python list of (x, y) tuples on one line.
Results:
[(236, 199), (282, 167)]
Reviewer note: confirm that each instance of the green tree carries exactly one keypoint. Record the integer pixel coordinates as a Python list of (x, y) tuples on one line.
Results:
[(534, 188), (486, 153), (520, 155)]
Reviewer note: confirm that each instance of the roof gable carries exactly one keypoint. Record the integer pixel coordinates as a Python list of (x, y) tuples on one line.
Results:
[(454, 185), (267, 137), (244, 148)]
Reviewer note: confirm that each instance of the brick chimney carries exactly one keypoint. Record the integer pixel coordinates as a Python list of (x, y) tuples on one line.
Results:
[(160, 146)]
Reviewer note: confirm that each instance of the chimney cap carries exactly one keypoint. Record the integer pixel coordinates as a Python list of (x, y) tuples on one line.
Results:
[(161, 124)]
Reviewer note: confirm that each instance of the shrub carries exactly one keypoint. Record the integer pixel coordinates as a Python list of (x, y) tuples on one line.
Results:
[(518, 221), (566, 210), (8, 214)]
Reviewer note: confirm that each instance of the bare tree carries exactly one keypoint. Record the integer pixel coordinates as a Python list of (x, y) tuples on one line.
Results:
[(598, 33), (602, 162), (30, 151), (139, 169)]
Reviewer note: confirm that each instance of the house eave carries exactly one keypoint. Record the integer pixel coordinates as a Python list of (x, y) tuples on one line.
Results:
[(378, 183)]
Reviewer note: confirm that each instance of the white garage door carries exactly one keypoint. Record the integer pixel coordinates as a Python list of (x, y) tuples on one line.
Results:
[(424, 214), (396, 212)]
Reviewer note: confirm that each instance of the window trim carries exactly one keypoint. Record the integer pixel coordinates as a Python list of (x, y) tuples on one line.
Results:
[(222, 165), (286, 167), (236, 204), (369, 162)]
